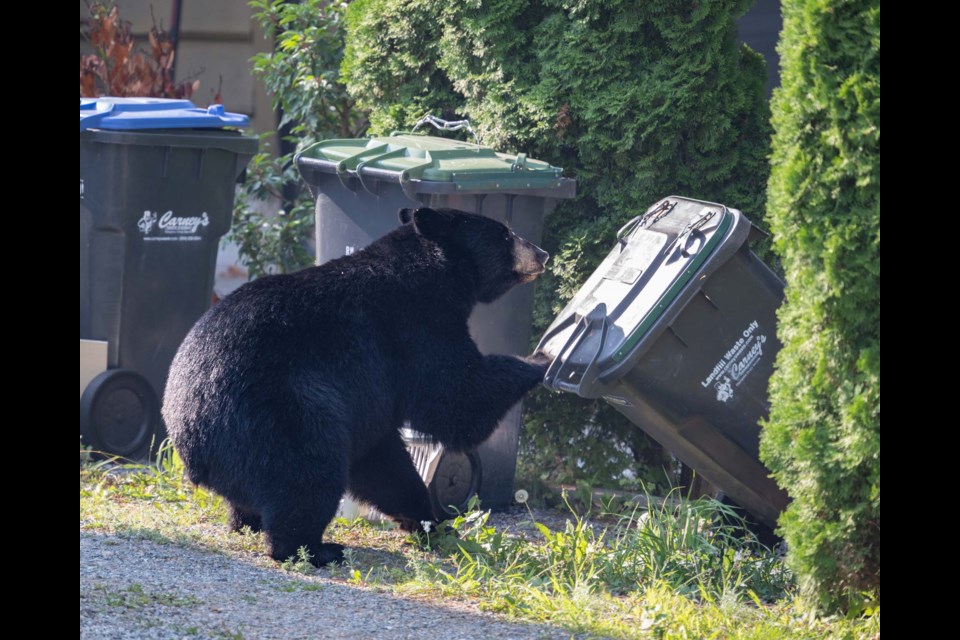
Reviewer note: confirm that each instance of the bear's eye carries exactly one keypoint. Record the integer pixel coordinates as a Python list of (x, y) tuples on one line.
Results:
[(507, 236)]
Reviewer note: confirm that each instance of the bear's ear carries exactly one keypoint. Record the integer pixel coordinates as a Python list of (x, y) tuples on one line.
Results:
[(431, 224), (405, 215)]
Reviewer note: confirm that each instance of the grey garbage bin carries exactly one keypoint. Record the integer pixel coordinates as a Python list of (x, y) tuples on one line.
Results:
[(677, 330), (157, 180), (361, 184)]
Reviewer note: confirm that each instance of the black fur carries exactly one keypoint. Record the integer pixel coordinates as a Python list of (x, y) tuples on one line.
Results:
[(292, 389)]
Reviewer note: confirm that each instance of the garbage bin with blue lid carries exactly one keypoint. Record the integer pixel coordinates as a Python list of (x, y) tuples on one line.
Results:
[(157, 180), (361, 184), (677, 330)]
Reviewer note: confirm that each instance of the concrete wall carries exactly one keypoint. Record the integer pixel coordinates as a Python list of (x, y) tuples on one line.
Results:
[(217, 40)]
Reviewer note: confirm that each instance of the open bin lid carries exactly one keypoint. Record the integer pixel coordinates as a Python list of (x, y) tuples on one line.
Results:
[(129, 114), (429, 164), (646, 280)]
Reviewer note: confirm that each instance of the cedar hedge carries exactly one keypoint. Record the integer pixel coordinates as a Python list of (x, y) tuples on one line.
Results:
[(822, 440)]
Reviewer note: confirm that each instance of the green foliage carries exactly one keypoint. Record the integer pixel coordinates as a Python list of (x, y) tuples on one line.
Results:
[(299, 563), (162, 480), (390, 63), (697, 548), (680, 570), (822, 440), (301, 73), (567, 440), (636, 100), (272, 242)]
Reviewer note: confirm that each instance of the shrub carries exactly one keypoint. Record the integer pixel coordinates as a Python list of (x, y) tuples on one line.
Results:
[(635, 100), (302, 75), (118, 68), (822, 440)]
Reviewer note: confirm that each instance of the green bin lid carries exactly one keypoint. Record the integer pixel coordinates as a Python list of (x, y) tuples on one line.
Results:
[(432, 165)]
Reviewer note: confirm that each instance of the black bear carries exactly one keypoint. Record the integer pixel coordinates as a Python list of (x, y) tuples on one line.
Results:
[(293, 389)]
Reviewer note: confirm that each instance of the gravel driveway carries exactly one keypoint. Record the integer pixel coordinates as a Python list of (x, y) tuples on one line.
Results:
[(133, 588)]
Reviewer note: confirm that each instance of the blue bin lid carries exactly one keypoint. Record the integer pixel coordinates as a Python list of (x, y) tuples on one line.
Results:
[(127, 114)]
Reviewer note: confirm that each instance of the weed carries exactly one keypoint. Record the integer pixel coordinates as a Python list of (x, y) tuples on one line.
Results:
[(300, 563)]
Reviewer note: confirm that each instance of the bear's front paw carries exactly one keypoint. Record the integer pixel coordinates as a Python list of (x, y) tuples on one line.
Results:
[(327, 553), (540, 360)]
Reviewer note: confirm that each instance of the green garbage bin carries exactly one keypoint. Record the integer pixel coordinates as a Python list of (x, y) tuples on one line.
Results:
[(361, 184), (677, 330), (157, 180)]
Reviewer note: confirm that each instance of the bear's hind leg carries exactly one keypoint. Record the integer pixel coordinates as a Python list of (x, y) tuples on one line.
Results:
[(305, 475), (299, 523), (240, 518), (386, 478)]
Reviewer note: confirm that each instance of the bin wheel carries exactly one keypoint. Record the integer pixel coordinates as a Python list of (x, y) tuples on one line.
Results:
[(119, 414), (455, 480)]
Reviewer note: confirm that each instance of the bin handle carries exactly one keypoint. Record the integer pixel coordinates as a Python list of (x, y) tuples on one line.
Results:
[(585, 325), (553, 371), (599, 314)]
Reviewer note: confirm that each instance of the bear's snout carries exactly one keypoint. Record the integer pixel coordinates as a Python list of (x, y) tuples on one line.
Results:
[(529, 260), (542, 256)]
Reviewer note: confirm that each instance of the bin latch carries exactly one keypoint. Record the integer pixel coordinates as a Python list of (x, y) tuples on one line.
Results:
[(657, 213), (647, 219), (446, 125), (686, 234)]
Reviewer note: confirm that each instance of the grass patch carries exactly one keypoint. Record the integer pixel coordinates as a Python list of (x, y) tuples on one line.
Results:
[(299, 585), (134, 596), (683, 569)]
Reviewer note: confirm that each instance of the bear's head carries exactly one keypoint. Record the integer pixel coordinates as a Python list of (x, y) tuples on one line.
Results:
[(497, 257)]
